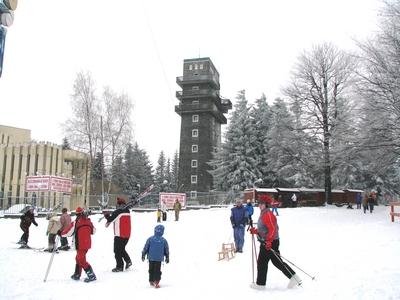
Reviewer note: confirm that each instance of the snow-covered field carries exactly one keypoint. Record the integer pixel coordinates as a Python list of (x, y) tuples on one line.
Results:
[(353, 256)]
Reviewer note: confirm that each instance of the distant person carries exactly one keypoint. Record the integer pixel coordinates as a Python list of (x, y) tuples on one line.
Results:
[(358, 200), (156, 248), (82, 229), (275, 205), (121, 219), (26, 220), (371, 202), (267, 232), (159, 215), (52, 229), (164, 210), (250, 211), (177, 209), (294, 200), (365, 203), (239, 220), (65, 221)]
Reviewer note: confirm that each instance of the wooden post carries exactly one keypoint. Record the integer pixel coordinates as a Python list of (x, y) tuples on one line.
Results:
[(392, 211)]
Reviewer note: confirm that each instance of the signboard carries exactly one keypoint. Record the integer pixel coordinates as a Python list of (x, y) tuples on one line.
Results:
[(49, 184), (170, 198)]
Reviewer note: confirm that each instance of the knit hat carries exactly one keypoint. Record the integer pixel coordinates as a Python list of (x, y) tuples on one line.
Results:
[(120, 201), (79, 210), (265, 199)]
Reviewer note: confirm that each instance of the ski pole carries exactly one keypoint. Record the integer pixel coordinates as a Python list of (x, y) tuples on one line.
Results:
[(51, 258), (312, 277), (285, 265)]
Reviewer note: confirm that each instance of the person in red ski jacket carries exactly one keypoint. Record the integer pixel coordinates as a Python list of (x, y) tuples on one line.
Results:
[(82, 229), (267, 232), (121, 219)]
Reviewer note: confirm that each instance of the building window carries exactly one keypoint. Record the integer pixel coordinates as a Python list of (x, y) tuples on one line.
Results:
[(194, 163), (190, 67), (195, 148), (193, 179), (201, 66), (193, 194), (195, 118), (195, 133), (195, 102), (195, 88), (196, 66)]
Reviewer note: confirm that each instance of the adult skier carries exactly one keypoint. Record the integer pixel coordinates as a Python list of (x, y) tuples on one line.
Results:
[(82, 229), (121, 219), (267, 232), (239, 218)]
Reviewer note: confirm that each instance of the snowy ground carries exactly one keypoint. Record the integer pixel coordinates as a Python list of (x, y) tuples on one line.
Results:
[(353, 256)]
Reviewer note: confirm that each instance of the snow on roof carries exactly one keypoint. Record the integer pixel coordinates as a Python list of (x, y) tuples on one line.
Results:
[(354, 191), (264, 190), (288, 190)]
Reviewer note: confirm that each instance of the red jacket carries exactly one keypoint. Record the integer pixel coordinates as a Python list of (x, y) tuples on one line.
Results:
[(121, 219), (267, 226), (82, 229)]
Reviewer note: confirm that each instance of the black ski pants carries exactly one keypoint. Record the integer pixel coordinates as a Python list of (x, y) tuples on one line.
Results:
[(120, 253), (25, 235), (263, 259), (154, 271)]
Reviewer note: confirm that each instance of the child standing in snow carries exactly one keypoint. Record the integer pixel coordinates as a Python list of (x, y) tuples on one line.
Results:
[(52, 229), (26, 220), (156, 248), (159, 213)]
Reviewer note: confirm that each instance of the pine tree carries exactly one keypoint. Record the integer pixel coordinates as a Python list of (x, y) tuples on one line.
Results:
[(65, 144)]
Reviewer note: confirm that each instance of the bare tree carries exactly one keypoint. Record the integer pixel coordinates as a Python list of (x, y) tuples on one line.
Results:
[(320, 82), (117, 126), (82, 129)]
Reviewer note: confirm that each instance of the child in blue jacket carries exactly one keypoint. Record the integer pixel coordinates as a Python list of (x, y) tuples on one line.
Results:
[(156, 248)]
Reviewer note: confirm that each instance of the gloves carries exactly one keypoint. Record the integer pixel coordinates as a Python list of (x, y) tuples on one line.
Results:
[(253, 230), (233, 226), (167, 259), (268, 245), (143, 257)]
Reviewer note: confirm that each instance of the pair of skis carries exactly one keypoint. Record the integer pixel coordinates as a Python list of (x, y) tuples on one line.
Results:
[(135, 201)]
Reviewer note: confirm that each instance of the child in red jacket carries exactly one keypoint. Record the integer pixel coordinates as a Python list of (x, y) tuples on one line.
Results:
[(82, 229)]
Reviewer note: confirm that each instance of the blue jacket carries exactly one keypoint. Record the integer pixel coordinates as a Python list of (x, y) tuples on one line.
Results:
[(239, 216), (250, 209), (156, 246)]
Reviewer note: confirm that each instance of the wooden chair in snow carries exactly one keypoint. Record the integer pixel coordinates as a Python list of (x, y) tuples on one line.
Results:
[(227, 251)]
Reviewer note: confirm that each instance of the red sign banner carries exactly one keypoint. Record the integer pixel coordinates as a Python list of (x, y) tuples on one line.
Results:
[(170, 198), (48, 183)]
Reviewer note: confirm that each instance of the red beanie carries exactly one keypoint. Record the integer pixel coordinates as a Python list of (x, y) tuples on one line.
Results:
[(79, 210), (120, 201), (264, 199)]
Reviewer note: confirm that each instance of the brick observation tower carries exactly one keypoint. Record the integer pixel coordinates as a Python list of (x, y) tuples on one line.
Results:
[(202, 111)]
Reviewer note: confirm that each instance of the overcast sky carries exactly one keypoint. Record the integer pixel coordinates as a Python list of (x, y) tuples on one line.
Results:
[(138, 47)]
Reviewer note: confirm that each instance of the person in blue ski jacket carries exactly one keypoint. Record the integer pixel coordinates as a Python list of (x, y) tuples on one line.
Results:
[(238, 219), (156, 248), (250, 211)]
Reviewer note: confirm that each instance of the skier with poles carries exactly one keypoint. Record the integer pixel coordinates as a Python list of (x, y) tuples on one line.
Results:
[(268, 236), (26, 220), (121, 218), (82, 228)]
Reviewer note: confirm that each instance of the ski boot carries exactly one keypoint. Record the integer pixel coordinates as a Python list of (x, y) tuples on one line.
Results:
[(77, 273), (157, 284), (90, 274), (117, 269), (295, 280), (128, 265)]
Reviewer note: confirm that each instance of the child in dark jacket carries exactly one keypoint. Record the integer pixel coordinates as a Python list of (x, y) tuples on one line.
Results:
[(26, 220), (156, 248)]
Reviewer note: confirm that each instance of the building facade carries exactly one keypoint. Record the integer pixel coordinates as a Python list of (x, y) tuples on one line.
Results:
[(21, 157), (202, 113)]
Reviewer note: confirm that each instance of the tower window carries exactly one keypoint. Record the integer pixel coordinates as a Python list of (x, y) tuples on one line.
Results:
[(201, 66), (193, 194), (194, 163), (195, 148), (193, 179), (195, 133), (190, 67), (195, 118), (195, 102), (196, 66), (195, 88)]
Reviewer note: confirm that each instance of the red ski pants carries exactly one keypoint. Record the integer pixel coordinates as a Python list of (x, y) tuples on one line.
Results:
[(81, 259)]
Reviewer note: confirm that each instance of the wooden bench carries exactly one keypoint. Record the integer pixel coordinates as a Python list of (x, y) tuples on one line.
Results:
[(392, 213), (227, 251)]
